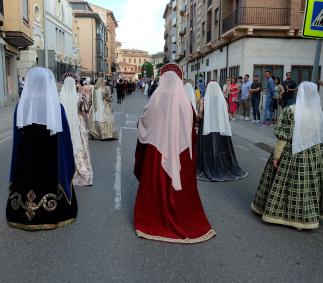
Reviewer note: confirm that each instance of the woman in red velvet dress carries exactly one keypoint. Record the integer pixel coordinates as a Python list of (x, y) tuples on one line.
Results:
[(168, 207)]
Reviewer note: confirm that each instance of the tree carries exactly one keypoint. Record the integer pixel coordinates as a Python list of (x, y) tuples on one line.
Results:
[(149, 69)]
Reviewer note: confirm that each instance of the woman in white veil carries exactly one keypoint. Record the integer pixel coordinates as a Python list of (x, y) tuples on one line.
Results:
[(41, 193), (290, 190), (101, 121), (72, 102), (216, 160)]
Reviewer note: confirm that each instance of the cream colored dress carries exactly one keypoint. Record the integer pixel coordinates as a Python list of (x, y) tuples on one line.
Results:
[(103, 128)]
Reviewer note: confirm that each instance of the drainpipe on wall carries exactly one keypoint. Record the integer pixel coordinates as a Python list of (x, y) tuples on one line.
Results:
[(45, 34), (227, 60), (3, 81)]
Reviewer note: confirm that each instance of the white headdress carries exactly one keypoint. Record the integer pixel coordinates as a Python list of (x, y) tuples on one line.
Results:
[(39, 102)]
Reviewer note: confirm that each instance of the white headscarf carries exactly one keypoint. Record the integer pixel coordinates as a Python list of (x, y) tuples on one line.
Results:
[(97, 109), (39, 102), (216, 117), (167, 124), (191, 95), (69, 99), (308, 118)]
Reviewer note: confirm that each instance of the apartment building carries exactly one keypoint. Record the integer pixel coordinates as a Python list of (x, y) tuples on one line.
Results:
[(235, 37), (61, 41), (15, 35), (28, 57), (110, 21), (92, 40), (130, 62), (158, 61)]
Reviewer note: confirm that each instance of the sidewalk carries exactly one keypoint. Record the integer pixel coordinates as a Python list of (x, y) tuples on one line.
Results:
[(6, 120), (259, 135)]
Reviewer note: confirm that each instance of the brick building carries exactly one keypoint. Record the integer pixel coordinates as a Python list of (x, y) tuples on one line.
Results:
[(235, 37)]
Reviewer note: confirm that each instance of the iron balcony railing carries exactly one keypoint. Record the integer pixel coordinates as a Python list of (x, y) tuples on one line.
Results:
[(257, 16)]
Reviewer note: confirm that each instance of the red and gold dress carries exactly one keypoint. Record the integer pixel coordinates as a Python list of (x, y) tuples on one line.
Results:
[(162, 213)]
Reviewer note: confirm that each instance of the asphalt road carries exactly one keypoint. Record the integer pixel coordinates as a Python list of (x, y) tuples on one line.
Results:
[(102, 246)]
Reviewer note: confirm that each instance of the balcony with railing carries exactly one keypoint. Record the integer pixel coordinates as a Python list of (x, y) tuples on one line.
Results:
[(256, 16)]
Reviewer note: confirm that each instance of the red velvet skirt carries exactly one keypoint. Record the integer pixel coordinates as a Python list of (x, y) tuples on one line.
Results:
[(161, 213)]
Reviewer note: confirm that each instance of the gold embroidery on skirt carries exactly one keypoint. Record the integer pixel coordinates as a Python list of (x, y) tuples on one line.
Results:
[(48, 202)]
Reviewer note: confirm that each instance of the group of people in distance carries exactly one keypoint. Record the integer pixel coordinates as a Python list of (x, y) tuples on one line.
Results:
[(124, 88), (267, 98), (171, 154)]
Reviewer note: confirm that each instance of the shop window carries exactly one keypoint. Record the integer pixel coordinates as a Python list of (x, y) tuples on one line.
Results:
[(276, 70), (303, 73), (234, 72), (223, 76)]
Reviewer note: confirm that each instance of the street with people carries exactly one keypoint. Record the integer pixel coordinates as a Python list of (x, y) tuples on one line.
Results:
[(164, 167)]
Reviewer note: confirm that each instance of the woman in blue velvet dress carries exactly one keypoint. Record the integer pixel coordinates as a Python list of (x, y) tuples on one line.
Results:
[(41, 193)]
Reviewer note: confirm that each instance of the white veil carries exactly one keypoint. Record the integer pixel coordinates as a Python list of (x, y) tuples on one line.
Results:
[(98, 107), (39, 102), (191, 95), (308, 118), (216, 117), (69, 99)]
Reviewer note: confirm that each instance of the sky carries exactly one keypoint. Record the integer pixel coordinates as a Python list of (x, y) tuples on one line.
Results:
[(141, 23)]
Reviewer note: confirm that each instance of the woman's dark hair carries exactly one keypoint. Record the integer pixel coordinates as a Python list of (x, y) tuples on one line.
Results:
[(277, 79)]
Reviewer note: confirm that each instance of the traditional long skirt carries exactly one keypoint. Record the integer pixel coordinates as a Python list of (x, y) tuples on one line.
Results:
[(161, 213), (292, 194), (84, 172), (216, 159), (103, 130), (36, 198)]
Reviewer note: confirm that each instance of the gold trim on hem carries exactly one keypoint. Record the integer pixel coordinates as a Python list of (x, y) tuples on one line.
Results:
[(41, 226), (255, 209), (296, 225), (203, 238)]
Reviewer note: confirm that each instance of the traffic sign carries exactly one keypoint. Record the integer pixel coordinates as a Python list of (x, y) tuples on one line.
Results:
[(313, 20)]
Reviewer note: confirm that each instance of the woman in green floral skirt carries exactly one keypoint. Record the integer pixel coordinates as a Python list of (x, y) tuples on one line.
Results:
[(290, 190)]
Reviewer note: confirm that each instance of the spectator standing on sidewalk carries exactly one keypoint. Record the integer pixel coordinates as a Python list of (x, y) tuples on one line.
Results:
[(245, 98), (233, 98), (255, 92), (290, 87), (278, 96), (270, 91), (239, 84), (226, 89)]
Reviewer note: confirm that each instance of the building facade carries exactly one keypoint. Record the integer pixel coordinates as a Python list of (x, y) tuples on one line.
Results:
[(16, 35), (130, 62), (92, 40), (61, 44), (29, 57), (236, 37), (158, 61), (3, 84)]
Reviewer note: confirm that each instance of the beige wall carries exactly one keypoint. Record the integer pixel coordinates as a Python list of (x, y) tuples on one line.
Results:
[(13, 19), (87, 34), (111, 43), (108, 20)]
